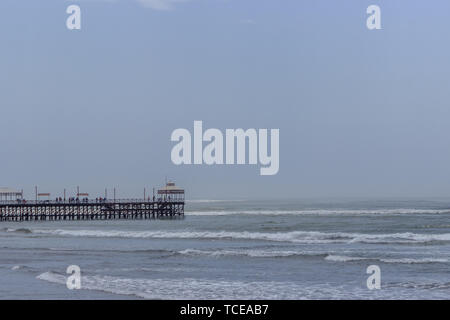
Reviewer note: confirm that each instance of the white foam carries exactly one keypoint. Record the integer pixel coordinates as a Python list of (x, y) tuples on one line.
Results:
[(414, 261), (319, 212), (338, 258), (199, 289), (306, 237), (52, 277), (248, 253), (254, 253), (343, 258), (195, 289)]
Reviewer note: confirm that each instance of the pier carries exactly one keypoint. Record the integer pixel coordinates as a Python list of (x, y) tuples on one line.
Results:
[(169, 203)]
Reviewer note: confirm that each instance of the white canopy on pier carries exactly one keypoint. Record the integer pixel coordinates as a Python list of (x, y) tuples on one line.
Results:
[(171, 188)]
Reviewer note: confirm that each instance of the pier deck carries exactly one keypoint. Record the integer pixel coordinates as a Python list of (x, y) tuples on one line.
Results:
[(21, 210)]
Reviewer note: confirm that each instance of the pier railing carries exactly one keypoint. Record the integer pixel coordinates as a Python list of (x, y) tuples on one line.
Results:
[(88, 201)]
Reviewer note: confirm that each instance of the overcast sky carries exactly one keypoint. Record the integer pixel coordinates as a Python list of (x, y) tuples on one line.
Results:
[(361, 113)]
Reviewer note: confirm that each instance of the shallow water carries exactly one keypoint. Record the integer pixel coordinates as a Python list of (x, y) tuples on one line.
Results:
[(238, 250)]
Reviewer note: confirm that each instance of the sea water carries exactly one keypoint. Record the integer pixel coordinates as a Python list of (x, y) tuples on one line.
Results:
[(238, 249)]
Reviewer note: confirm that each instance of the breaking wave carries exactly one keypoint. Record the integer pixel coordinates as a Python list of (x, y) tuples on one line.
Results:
[(186, 288), (197, 289), (253, 253), (305, 237), (19, 230), (319, 212), (337, 258)]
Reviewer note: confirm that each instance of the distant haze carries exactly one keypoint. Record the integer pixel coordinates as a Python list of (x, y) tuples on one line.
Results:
[(361, 113)]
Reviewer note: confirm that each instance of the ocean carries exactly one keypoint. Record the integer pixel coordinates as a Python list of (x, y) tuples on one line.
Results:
[(238, 249)]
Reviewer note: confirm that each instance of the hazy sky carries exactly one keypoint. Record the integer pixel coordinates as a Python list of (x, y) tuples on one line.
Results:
[(361, 113)]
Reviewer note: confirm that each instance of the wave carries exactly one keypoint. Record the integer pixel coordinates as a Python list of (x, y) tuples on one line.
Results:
[(319, 212), (200, 289), (255, 253), (422, 286), (196, 289), (249, 253), (337, 258), (19, 230), (343, 258), (304, 237), (186, 288), (414, 261)]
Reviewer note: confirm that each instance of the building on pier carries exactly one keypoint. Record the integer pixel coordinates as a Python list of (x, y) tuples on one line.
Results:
[(8, 194), (171, 192)]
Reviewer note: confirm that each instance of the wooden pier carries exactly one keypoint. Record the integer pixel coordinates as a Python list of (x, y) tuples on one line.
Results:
[(168, 204), (91, 210)]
